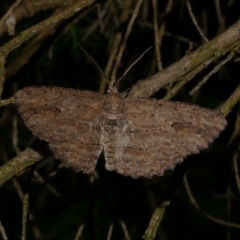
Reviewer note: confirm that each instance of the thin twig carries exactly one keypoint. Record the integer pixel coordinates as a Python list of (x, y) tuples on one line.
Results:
[(18, 189), (231, 102), (215, 69), (112, 56), (235, 167), (93, 27), (3, 232), (156, 219), (236, 132), (156, 36), (115, 46), (39, 179), (79, 232), (181, 82), (24, 57), (124, 42), (125, 231), (161, 32), (28, 9), (195, 22), (6, 101), (181, 38), (24, 217), (15, 136), (21, 195), (110, 231), (32, 31), (16, 165), (228, 208), (219, 14), (200, 58), (195, 204), (2, 74), (9, 12)]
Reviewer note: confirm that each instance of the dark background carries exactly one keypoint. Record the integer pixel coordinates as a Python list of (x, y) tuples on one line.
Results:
[(65, 200)]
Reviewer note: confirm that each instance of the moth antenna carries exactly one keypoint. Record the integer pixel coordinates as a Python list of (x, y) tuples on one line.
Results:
[(129, 68), (95, 65)]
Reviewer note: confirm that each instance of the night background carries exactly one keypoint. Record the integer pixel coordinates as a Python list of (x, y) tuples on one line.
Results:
[(200, 197)]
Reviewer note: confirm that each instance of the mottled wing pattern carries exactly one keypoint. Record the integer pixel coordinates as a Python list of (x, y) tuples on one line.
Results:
[(67, 119), (161, 133)]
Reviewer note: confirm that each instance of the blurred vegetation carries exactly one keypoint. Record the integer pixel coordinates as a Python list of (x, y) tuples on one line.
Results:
[(62, 201)]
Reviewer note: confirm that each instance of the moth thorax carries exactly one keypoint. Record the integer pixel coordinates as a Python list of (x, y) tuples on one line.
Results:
[(113, 107)]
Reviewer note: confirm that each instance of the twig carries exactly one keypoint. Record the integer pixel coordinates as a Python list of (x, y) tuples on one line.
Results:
[(110, 63), (39, 179), (15, 136), (236, 132), (156, 219), (110, 231), (24, 57), (200, 58), (29, 8), (231, 101), (18, 189), (160, 33), (124, 42), (27, 34), (181, 38), (92, 28), (195, 22), (16, 165), (30, 32), (181, 82), (219, 14), (9, 12), (125, 231), (229, 208), (24, 217), (3, 232), (6, 101), (79, 232), (156, 36), (195, 204), (235, 167), (215, 69), (2, 73), (115, 46)]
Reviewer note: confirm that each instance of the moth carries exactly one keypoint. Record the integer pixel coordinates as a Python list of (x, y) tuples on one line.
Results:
[(139, 137)]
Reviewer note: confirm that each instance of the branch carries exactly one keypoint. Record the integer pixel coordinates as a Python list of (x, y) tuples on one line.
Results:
[(16, 165), (230, 103), (200, 58), (156, 219), (30, 32)]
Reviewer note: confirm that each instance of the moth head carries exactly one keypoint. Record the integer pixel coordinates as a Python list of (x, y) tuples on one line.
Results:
[(114, 103)]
